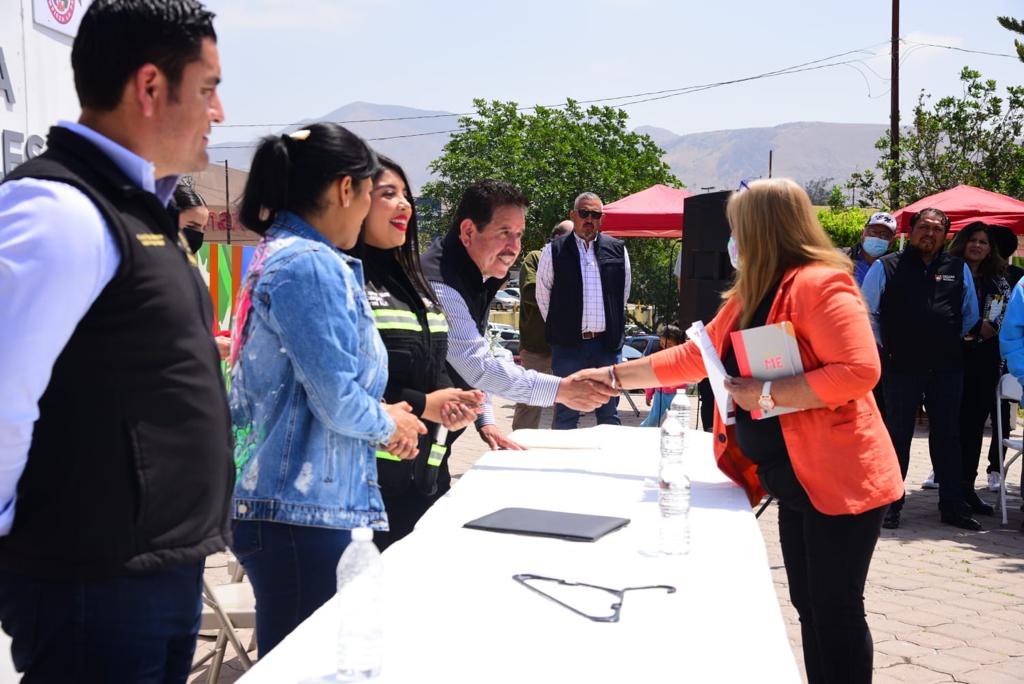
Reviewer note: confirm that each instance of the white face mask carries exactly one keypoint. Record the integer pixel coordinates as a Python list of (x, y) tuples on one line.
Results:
[(734, 252)]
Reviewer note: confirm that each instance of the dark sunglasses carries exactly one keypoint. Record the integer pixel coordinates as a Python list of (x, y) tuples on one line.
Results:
[(585, 214)]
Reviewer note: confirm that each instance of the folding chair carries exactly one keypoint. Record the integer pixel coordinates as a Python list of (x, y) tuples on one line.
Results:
[(227, 607), (1008, 389)]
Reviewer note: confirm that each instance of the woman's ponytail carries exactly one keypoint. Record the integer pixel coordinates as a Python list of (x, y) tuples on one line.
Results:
[(266, 189)]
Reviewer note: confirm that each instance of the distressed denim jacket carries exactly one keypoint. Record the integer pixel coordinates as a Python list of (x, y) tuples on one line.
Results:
[(308, 373)]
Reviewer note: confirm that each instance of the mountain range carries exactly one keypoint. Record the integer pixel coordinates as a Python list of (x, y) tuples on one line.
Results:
[(802, 150)]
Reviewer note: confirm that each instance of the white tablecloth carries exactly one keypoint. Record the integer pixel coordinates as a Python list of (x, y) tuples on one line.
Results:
[(454, 614)]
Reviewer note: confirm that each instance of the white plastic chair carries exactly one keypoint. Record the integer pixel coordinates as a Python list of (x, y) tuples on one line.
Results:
[(1008, 389), (227, 607)]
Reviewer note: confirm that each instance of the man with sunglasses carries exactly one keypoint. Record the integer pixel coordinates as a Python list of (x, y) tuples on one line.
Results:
[(583, 283)]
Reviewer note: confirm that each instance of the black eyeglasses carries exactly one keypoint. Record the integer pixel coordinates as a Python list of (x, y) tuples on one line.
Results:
[(586, 213), (619, 594)]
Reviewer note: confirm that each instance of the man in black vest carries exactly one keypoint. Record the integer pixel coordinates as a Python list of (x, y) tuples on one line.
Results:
[(115, 456), (922, 303), (466, 268), (582, 286)]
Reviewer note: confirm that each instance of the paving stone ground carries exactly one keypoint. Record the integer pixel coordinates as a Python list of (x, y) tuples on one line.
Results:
[(944, 605)]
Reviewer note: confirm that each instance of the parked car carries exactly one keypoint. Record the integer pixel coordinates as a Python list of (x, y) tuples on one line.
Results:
[(645, 344), (630, 353), (503, 301), (514, 291), (502, 331)]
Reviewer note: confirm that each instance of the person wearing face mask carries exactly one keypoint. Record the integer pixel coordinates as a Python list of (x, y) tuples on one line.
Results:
[(875, 240), (308, 373), (192, 214), (983, 365), (831, 465), (583, 281), (922, 303), (411, 323)]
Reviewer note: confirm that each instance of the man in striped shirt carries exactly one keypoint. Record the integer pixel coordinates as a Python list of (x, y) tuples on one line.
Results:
[(583, 284), (466, 268)]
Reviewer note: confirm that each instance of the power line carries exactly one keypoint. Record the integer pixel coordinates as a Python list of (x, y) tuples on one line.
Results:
[(790, 69), (960, 49)]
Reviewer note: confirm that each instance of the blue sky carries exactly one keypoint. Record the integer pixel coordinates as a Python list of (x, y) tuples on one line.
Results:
[(288, 60)]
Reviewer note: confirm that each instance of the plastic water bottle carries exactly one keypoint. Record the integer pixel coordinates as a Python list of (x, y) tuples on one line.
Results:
[(673, 481), (360, 589)]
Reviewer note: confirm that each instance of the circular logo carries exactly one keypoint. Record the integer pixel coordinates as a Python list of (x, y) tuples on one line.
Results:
[(62, 10)]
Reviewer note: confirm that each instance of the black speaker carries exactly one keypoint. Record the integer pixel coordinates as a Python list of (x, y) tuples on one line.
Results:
[(706, 272)]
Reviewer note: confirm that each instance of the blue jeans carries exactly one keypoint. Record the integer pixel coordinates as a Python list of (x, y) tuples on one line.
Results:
[(941, 393), (567, 360), (292, 571), (135, 628)]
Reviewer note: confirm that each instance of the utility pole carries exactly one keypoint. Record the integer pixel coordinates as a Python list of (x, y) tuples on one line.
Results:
[(770, 163), (227, 198), (894, 110)]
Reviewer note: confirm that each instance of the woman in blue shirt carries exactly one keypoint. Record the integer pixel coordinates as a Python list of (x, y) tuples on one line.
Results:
[(307, 376)]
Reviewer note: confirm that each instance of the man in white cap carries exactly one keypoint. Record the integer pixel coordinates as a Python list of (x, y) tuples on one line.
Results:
[(875, 241)]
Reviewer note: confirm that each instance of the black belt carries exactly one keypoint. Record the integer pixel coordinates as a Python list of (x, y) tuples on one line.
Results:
[(591, 335)]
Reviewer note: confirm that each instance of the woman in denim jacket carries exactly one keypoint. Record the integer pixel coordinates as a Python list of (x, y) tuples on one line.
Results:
[(307, 377)]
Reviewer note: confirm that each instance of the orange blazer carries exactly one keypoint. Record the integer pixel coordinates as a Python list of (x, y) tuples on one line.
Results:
[(841, 454)]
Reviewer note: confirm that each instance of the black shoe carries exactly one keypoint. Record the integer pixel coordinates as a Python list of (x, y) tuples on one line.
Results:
[(892, 519), (976, 504), (960, 516)]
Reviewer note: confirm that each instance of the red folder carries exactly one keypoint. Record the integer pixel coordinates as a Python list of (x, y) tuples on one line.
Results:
[(767, 353)]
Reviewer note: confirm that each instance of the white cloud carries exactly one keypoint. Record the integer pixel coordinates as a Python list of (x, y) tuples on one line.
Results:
[(309, 15)]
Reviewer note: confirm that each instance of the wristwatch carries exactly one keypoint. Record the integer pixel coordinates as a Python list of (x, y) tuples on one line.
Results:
[(765, 401)]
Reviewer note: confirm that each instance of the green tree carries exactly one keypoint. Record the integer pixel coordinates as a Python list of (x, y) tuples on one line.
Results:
[(553, 154), (843, 225), (818, 189), (1016, 26), (972, 139)]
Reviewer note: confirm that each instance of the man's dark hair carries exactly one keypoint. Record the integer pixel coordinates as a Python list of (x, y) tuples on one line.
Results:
[(481, 198), (292, 172), (117, 37), (937, 213), (671, 331), (186, 196)]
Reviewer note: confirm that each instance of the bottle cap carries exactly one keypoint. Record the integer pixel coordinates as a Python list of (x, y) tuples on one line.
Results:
[(362, 534)]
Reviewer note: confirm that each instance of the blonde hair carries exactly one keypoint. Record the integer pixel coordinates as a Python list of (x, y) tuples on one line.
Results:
[(775, 229)]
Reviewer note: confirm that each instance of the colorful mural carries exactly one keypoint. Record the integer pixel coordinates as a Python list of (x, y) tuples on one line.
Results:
[(222, 267)]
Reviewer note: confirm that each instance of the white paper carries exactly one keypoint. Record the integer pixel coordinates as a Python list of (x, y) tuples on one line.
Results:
[(716, 372)]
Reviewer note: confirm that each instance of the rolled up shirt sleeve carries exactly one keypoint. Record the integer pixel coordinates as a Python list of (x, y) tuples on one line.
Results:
[(872, 288), (56, 256), (469, 354), (969, 311)]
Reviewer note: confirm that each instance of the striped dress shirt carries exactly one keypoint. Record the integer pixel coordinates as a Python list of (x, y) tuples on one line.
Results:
[(593, 295), (469, 354)]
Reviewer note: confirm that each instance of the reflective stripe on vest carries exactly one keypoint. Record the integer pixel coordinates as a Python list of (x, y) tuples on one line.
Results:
[(437, 323), (387, 456), (396, 319), (436, 454)]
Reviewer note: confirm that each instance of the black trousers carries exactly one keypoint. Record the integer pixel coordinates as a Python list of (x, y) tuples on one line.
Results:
[(827, 559), (941, 392), (405, 510), (977, 405), (707, 405)]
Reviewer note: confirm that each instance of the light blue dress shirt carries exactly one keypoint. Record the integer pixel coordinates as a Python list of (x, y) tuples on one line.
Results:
[(56, 256), (874, 286)]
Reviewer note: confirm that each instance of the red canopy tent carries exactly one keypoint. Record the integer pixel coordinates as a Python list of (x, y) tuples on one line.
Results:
[(965, 204), (656, 212)]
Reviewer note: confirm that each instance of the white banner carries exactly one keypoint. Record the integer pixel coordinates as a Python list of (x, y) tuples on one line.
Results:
[(62, 16)]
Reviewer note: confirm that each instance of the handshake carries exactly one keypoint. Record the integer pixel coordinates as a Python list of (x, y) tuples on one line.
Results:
[(585, 390)]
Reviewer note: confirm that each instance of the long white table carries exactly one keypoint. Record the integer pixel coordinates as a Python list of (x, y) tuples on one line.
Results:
[(453, 613)]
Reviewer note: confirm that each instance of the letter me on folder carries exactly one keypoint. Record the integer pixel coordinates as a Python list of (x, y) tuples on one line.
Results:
[(716, 372)]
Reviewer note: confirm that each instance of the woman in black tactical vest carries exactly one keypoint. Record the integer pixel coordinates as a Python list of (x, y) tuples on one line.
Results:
[(412, 325), (983, 365)]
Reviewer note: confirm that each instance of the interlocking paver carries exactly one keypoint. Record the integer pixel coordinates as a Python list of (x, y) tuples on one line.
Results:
[(907, 672)]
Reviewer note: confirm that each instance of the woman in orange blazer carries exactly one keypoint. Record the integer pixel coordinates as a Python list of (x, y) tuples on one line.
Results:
[(831, 466)]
